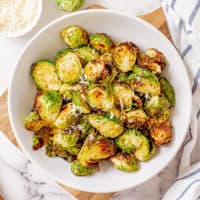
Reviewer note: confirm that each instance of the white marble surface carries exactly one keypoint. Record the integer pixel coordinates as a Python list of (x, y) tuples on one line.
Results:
[(10, 48)]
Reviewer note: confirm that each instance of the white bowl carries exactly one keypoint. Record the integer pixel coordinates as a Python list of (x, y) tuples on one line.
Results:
[(27, 28), (120, 27)]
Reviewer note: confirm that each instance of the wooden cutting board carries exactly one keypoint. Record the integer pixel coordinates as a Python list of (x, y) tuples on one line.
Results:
[(158, 20)]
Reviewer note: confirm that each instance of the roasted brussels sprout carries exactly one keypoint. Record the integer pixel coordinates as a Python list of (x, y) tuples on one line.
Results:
[(69, 5), (44, 75), (80, 103), (161, 133), (145, 82), (168, 90), (129, 140), (74, 36), (101, 42), (62, 53), (100, 97), (33, 121), (125, 55), (48, 104), (87, 53), (67, 140), (37, 142), (157, 106), (135, 118), (125, 162), (153, 60), (94, 149), (80, 170), (69, 68), (123, 96), (106, 126), (97, 70), (84, 127), (66, 116)]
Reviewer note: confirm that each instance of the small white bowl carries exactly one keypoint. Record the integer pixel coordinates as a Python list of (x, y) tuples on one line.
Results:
[(120, 27), (26, 29)]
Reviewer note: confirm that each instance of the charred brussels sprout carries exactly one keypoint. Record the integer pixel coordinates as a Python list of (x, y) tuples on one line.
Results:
[(100, 98), (37, 142), (125, 55), (33, 121), (135, 118), (44, 75), (80, 103), (96, 70), (161, 133), (157, 106), (168, 90), (125, 162), (69, 68), (153, 60), (67, 140), (80, 170), (69, 5), (101, 42), (87, 53), (94, 149), (129, 140), (123, 96), (144, 82), (66, 116), (62, 53), (106, 126), (74, 36), (48, 104)]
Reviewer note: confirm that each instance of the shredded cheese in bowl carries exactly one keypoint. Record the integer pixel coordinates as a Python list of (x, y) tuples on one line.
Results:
[(18, 17)]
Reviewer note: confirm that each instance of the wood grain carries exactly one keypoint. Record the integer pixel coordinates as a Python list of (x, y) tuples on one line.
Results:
[(157, 19)]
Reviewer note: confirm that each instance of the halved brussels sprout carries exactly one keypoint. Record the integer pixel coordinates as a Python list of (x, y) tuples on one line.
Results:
[(125, 55), (153, 60), (80, 170), (161, 133), (107, 57), (86, 53), (74, 36), (66, 116), (62, 53), (67, 140), (106, 126), (44, 74), (129, 140), (69, 68), (123, 96), (100, 98), (33, 121), (69, 5), (168, 90), (80, 103), (135, 118), (48, 104), (157, 106), (144, 81), (101, 42), (96, 70), (125, 162), (37, 141), (94, 149)]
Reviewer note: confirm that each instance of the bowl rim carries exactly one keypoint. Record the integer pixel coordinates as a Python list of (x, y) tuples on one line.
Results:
[(29, 156)]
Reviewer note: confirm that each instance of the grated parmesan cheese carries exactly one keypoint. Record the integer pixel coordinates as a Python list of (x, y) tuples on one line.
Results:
[(15, 15)]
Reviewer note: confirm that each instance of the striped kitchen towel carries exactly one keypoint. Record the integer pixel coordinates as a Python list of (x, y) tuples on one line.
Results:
[(183, 17)]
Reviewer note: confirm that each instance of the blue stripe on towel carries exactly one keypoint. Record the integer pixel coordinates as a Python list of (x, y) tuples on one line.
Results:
[(186, 50), (173, 2), (187, 188), (194, 12), (196, 79), (189, 175)]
